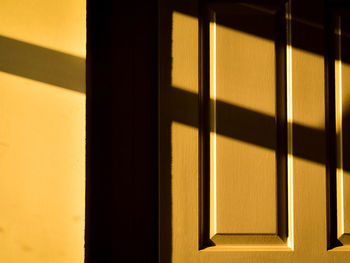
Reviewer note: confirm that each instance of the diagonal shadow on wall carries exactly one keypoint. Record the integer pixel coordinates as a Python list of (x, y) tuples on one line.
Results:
[(42, 64), (67, 71)]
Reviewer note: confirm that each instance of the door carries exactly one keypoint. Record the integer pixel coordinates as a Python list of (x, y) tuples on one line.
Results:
[(253, 151)]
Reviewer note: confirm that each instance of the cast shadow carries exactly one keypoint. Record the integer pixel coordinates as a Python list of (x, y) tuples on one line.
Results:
[(42, 64), (185, 107)]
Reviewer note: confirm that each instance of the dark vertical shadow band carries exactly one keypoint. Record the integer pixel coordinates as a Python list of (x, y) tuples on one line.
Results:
[(281, 121), (165, 245), (331, 161), (205, 17), (122, 132)]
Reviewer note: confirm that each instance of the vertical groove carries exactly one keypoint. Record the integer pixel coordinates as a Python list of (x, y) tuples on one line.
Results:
[(281, 123), (204, 130)]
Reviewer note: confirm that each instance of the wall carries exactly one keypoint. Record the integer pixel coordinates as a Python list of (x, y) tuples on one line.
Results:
[(42, 130)]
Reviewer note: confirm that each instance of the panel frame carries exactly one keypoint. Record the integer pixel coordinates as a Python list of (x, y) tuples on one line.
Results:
[(332, 240), (337, 239), (207, 238)]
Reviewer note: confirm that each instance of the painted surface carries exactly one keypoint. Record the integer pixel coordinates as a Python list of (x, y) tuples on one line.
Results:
[(180, 214), (42, 131)]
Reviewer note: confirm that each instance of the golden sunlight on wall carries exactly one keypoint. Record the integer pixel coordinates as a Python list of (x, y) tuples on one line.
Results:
[(42, 130)]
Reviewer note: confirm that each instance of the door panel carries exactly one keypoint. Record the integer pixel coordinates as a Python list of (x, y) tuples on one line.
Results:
[(244, 170), (243, 75)]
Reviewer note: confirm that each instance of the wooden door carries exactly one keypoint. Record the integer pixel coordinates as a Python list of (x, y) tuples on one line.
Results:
[(253, 102)]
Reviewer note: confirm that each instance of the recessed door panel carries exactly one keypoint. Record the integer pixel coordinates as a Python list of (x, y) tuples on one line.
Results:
[(244, 100)]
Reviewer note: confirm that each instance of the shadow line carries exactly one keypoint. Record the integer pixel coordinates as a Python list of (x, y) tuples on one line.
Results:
[(42, 64), (250, 126)]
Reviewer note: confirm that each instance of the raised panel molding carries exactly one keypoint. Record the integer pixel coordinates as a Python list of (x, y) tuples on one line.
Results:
[(245, 182)]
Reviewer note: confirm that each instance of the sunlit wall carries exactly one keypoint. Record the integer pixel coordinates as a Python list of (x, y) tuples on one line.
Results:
[(42, 130)]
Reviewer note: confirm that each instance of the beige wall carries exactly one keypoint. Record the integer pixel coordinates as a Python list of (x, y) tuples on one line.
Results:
[(42, 130)]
